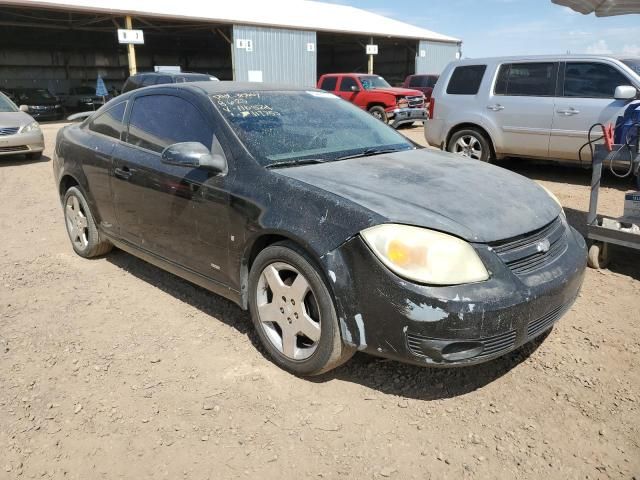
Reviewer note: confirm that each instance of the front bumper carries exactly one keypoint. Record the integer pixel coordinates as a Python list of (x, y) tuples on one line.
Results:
[(31, 142), (385, 315), (407, 115)]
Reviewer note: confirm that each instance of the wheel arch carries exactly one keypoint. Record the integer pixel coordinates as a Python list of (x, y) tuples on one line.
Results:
[(66, 182)]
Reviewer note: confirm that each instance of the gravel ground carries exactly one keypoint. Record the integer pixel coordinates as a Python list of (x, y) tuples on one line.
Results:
[(112, 368)]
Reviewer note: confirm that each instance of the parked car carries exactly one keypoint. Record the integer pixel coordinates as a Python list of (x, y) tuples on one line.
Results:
[(421, 82), (539, 107), (40, 104), (147, 79), (335, 231), (373, 94), (82, 98), (19, 132)]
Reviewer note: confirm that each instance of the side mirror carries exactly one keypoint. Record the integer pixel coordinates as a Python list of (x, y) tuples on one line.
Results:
[(193, 155), (24, 108), (625, 92), (355, 88)]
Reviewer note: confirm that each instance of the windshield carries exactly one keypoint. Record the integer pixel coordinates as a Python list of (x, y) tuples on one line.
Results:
[(283, 126), (369, 82), (633, 64), (33, 94), (7, 105)]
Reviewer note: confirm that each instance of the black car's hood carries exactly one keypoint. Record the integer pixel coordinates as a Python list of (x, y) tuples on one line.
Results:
[(470, 199)]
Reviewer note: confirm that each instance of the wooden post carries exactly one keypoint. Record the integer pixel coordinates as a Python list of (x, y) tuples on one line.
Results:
[(131, 49), (371, 58)]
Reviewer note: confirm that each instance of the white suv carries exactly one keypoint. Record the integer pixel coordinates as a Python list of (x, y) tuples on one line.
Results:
[(540, 107)]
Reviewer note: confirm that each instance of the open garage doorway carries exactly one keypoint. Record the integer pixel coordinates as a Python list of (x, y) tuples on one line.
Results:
[(58, 50), (341, 53)]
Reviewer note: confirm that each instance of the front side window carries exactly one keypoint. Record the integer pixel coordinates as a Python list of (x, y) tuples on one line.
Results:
[(371, 82), (466, 80), (527, 79), (157, 121), (277, 126), (417, 81), (109, 123), (592, 80), (347, 83), (329, 83)]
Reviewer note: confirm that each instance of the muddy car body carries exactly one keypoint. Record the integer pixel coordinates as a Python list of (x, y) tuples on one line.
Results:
[(351, 237)]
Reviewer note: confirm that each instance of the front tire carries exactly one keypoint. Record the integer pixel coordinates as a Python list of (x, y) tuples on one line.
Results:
[(293, 312), (470, 143), (379, 113), (81, 227)]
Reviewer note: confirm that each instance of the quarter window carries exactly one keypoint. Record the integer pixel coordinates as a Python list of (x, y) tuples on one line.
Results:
[(109, 123), (346, 83), (157, 121), (466, 80), (329, 83), (592, 80), (527, 79)]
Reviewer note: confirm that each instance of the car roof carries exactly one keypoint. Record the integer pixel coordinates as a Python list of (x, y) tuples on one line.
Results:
[(171, 74), (354, 74), (213, 88), (555, 58)]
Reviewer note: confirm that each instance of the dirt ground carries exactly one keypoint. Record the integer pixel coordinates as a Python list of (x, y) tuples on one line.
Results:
[(111, 368)]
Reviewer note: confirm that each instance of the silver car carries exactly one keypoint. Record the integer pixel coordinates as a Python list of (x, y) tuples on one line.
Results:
[(19, 132), (540, 107)]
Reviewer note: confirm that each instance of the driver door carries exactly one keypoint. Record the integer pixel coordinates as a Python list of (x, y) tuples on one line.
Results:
[(345, 89), (177, 213)]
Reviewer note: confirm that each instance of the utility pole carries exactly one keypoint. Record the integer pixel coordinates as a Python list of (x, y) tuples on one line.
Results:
[(370, 58), (131, 49)]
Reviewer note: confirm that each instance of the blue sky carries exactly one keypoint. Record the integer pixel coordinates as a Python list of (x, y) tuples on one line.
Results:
[(514, 27)]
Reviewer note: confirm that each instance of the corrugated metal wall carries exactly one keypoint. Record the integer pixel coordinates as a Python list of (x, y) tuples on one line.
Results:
[(274, 55), (432, 57)]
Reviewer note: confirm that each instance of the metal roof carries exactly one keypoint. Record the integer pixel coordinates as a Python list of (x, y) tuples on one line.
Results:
[(295, 14), (602, 8)]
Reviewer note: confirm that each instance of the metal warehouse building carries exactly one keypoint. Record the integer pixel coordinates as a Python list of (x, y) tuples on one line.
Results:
[(59, 44)]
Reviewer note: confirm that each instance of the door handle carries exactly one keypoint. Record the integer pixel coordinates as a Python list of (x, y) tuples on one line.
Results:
[(495, 108), (124, 173), (568, 112)]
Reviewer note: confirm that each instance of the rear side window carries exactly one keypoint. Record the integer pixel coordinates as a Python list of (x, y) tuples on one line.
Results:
[(423, 81), (148, 80), (131, 84), (157, 121), (466, 80), (329, 83), (592, 80), (527, 79), (346, 83), (165, 79), (109, 123)]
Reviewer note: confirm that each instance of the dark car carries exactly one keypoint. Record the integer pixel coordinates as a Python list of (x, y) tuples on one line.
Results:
[(41, 104), (421, 82), (147, 79), (335, 231)]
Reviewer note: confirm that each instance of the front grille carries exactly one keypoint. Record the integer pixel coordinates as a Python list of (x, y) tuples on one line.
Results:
[(9, 131), (492, 345), (535, 250), (20, 148), (416, 102)]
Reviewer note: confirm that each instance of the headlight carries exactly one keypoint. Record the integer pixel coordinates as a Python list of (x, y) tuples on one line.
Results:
[(425, 256), (403, 102), (32, 127)]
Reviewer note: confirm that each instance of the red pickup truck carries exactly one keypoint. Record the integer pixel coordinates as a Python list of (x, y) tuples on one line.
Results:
[(373, 94)]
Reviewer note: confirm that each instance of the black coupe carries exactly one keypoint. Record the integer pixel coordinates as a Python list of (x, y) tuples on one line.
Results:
[(334, 230)]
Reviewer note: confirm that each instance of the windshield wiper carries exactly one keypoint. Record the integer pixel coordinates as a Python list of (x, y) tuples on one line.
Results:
[(369, 152), (295, 163)]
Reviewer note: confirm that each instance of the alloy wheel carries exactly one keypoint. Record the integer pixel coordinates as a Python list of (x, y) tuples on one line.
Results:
[(288, 311), (468, 146), (77, 224)]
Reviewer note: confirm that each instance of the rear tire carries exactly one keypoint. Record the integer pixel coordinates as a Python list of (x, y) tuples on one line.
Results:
[(379, 113), (293, 312), (81, 227), (471, 143)]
